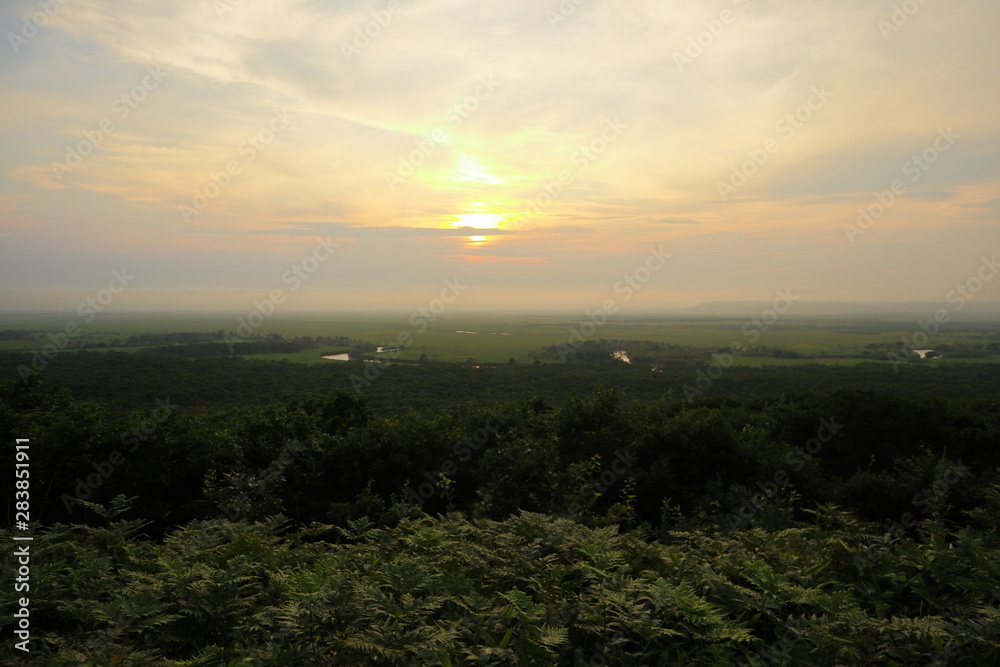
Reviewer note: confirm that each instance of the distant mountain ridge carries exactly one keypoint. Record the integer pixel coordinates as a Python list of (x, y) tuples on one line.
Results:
[(871, 308)]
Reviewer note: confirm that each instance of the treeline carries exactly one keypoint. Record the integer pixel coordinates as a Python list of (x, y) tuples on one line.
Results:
[(18, 334), (199, 345), (192, 344), (202, 350), (174, 338), (330, 459), (643, 353), (652, 354), (123, 382)]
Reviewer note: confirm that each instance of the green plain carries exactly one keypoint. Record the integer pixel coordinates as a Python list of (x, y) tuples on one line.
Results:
[(500, 337)]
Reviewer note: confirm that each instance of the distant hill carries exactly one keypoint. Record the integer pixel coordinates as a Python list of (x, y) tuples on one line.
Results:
[(873, 308)]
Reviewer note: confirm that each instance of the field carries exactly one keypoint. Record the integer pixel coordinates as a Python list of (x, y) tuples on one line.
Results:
[(219, 505), (497, 338)]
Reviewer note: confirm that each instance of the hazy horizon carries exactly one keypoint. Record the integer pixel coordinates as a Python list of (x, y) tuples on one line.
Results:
[(709, 309), (543, 156)]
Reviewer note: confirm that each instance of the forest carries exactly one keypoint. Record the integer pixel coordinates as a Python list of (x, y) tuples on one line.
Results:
[(228, 511)]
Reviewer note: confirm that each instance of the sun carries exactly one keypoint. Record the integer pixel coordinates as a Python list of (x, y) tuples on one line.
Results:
[(480, 215), (479, 220)]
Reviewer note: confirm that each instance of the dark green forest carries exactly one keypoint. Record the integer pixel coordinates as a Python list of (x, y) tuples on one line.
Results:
[(223, 511), (123, 382)]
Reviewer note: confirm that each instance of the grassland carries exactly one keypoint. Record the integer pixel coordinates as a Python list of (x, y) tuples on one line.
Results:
[(496, 338)]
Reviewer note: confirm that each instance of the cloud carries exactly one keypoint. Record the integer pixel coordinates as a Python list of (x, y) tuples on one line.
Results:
[(678, 221), (989, 203), (402, 122), (931, 195)]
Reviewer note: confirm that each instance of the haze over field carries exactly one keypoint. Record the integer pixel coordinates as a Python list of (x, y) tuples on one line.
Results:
[(357, 155)]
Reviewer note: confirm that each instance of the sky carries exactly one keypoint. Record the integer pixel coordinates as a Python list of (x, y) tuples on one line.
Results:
[(366, 155)]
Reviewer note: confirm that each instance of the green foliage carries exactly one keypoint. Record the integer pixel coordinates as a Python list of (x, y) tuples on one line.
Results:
[(123, 382), (595, 527), (531, 589)]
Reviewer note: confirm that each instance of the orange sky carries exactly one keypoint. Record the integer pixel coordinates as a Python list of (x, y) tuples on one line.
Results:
[(533, 150)]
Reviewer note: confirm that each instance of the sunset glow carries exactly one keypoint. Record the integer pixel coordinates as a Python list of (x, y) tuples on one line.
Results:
[(479, 220), (210, 144)]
